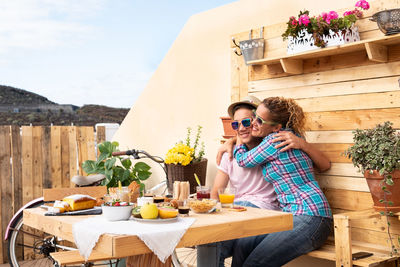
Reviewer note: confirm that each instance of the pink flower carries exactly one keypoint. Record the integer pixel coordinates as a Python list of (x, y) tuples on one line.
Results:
[(294, 22), (331, 15), (362, 4), (350, 12), (324, 15), (304, 20)]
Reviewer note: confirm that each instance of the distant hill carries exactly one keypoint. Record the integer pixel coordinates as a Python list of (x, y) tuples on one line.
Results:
[(13, 96), (21, 107)]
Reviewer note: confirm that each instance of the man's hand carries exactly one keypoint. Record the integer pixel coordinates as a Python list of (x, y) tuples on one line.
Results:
[(226, 147), (289, 140)]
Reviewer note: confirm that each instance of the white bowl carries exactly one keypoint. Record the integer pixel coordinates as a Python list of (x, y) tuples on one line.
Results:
[(117, 213)]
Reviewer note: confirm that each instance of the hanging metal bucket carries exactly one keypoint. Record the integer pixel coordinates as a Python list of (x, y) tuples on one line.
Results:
[(252, 49)]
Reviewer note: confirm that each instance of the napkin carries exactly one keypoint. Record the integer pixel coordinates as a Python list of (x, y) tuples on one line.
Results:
[(160, 237)]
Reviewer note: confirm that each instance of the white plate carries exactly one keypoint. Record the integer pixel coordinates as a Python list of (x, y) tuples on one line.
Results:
[(158, 220)]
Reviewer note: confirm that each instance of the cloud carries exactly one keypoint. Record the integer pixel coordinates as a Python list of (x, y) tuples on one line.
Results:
[(27, 24)]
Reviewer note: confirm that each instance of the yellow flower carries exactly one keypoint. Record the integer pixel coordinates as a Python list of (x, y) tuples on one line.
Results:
[(179, 154)]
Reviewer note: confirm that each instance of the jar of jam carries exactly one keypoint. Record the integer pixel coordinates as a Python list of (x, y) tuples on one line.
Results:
[(202, 192)]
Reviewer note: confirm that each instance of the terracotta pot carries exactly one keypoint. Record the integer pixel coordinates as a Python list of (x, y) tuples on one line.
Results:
[(228, 131), (186, 173), (374, 181)]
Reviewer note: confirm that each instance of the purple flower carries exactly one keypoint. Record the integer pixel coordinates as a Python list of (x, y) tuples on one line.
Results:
[(304, 20)]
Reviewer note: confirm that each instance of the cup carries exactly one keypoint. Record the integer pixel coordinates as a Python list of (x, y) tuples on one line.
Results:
[(202, 192), (227, 196), (183, 207)]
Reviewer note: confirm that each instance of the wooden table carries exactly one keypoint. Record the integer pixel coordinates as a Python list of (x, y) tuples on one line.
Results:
[(207, 228)]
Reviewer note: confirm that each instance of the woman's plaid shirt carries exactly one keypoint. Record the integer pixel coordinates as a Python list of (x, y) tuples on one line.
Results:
[(291, 173)]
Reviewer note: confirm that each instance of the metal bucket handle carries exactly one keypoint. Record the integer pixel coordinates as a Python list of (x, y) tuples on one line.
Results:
[(261, 32)]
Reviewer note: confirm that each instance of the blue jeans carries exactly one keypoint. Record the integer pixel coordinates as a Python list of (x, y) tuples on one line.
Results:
[(214, 254), (276, 249)]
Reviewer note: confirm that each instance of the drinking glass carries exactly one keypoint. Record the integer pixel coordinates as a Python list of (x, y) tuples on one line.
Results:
[(202, 192), (226, 196)]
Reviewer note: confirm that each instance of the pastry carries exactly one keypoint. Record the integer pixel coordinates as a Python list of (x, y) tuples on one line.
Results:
[(80, 202)]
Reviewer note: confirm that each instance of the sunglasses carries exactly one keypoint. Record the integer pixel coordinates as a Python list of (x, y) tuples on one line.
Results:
[(261, 121), (245, 122)]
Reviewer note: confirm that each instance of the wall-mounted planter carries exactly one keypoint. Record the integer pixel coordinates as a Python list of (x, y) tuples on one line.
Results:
[(305, 41)]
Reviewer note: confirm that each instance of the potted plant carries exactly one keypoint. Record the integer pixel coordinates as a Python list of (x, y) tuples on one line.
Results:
[(376, 152), (185, 159), (328, 29), (117, 169), (228, 131)]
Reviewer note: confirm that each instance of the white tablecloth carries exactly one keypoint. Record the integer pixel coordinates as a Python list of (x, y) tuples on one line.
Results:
[(161, 238)]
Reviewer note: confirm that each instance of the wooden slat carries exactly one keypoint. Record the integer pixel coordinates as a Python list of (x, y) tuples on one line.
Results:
[(16, 151), (342, 182), (149, 259), (65, 162), (59, 193), (334, 152), (235, 77), (343, 169), (73, 153), (37, 170), (350, 120), (351, 102), (342, 241), (258, 88), (27, 164), (373, 237), (73, 257), (46, 157), (6, 210), (326, 137), (100, 136), (348, 200), (56, 156), (334, 76), (85, 139)]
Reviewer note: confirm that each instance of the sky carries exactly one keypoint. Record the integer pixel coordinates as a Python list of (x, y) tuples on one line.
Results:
[(89, 51)]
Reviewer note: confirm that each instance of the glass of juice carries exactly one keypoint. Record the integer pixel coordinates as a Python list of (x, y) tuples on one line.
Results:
[(226, 196), (202, 192)]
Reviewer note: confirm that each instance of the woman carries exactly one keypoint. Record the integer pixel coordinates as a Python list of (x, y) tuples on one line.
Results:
[(291, 174)]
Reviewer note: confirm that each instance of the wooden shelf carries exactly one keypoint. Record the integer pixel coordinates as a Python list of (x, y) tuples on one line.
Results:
[(293, 64)]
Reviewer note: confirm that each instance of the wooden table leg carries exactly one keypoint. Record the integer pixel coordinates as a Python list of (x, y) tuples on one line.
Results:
[(145, 260)]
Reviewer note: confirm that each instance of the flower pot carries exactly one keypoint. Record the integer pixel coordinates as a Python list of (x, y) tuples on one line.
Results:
[(228, 131), (305, 41), (186, 173), (374, 181)]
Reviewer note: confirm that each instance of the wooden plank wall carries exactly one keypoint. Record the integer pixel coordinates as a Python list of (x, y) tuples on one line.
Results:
[(339, 94), (33, 158)]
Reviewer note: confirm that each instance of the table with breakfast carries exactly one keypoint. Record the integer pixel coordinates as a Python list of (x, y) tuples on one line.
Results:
[(126, 229)]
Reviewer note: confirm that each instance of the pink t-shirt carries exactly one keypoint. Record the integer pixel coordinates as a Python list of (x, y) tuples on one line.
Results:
[(250, 184)]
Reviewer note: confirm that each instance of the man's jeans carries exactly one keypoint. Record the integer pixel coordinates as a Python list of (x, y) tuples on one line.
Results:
[(276, 249), (214, 254)]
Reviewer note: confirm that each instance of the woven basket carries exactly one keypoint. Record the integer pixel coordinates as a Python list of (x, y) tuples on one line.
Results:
[(186, 173)]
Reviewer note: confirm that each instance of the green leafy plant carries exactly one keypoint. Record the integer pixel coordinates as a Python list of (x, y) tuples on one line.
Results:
[(378, 149), (116, 168)]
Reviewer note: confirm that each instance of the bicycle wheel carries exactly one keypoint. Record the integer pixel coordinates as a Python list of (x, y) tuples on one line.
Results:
[(187, 257), (28, 247)]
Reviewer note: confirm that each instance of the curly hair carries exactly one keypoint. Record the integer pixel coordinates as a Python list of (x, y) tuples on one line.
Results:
[(286, 112)]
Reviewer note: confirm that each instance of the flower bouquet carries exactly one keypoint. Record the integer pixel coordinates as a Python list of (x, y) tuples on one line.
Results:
[(184, 160), (328, 29)]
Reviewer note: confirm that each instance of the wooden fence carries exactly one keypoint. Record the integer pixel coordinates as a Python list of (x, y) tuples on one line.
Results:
[(37, 157)]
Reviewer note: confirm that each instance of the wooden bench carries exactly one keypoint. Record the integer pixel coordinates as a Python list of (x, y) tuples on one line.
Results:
[(340, 249)]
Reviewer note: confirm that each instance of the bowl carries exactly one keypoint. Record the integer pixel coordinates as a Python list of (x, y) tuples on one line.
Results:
[(117, 213), (388, 21), (202, 206)]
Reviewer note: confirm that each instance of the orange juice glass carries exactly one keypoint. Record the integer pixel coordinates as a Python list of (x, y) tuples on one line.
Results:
[(227, 196)]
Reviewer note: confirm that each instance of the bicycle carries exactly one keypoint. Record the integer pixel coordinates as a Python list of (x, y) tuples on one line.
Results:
[(44, 244)]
